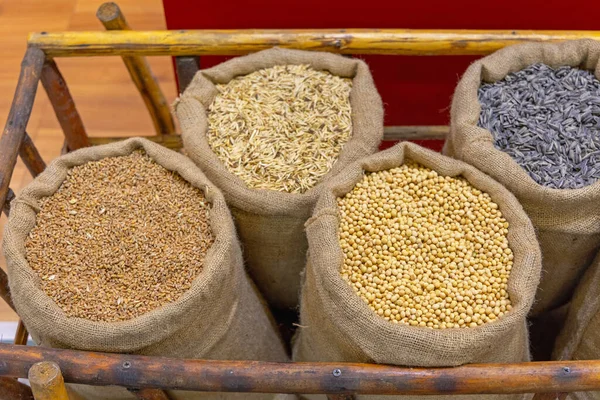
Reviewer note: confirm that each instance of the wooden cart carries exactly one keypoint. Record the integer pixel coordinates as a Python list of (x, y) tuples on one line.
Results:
[(148, 377)]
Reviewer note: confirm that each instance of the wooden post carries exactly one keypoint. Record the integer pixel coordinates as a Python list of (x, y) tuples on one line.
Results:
[(113, 19), (47, 382), (186, 67), (341, 397), (20, 110), (21, 335), (31, 157), (12, 389), (64, 106)]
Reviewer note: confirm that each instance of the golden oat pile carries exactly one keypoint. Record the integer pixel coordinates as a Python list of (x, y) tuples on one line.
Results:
[(121, 237), (425, 250), (281, 128)]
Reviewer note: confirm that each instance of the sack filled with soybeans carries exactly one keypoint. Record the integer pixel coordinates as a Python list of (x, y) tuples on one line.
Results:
[(529, 116), (270, 129), (417, 259), (129, 248), (580, 336)]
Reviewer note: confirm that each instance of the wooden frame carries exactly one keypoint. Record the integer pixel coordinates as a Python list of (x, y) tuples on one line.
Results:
[(147, 377)]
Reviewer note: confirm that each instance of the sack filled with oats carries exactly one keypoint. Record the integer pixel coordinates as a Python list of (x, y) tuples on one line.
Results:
[(527, 116), (129, 248), (270, 129), (416, 259)]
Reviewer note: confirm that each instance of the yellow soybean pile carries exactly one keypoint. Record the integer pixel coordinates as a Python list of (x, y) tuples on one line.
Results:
[(424, 249)]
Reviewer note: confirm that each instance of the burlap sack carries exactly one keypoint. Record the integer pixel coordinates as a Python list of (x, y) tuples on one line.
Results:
[(220, 317), (580, 337), (271, 223), (567, 221), (337, 325)]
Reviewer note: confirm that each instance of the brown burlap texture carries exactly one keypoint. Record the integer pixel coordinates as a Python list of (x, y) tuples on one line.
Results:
[(220, 317), (567, 221), (580, 336), (337, 325), (271, 223)]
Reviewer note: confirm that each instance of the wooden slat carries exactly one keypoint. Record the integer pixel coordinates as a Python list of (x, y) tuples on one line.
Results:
[(14, 131), (335, 378), (31, 156), (47, 382), (390, 133), (113, 20), (64, 106), (435, 132), (169, 141), (345, 41), (186, 68)]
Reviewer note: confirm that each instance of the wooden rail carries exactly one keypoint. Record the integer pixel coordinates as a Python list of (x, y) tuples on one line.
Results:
[(345, 41), (263, 377)]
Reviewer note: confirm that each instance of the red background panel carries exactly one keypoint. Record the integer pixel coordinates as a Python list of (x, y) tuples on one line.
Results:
[(415, 90)]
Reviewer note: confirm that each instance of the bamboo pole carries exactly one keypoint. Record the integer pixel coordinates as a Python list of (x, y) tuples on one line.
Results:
[(47, 382), (335, 378), (20, 110), (64, 106), (31, 157), (345, 41), (113, 19)]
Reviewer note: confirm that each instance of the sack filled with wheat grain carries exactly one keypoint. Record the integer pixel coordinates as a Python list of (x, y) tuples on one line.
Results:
[(129, 248), (271, 129)]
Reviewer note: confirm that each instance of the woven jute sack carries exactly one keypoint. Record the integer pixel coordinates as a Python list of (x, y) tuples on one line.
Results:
[(567, 221), (337, 325), (220, 317), (271, 223), (580, 336)]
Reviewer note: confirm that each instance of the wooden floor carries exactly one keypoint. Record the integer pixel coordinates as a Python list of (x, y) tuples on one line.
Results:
[(104, 94)]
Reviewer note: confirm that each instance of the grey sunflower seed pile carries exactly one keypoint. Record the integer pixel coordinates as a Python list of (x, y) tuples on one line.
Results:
[(122, 236), (548, 121)]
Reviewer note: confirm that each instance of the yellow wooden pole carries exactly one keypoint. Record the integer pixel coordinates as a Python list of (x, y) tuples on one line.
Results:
[(348, 41), (113, 20), (47, 382)]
